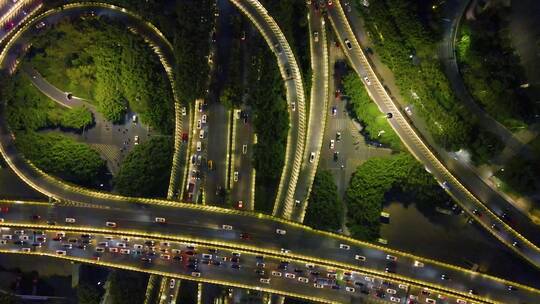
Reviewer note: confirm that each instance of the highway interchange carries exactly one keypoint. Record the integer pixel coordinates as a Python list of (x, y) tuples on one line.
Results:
[(204, 225)]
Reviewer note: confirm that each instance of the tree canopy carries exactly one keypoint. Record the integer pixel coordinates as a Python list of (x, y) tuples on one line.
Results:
[(146, 170), (324, 210)]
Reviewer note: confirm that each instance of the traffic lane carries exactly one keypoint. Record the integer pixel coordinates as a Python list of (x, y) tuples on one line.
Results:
[(246, 274), (316, 114), (401, 126), (216, 151), (309, 244), (243, 162)]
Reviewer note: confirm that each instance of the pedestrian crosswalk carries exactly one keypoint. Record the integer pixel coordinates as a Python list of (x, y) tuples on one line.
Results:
[(111, 154)]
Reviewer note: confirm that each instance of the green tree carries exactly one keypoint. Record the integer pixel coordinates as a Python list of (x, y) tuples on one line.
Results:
[(146, 170), (8, 299), (62, 156), (324, 210), (88, 294), (127, 287)]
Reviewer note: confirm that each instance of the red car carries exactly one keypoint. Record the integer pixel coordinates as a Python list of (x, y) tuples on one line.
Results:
[(245, 236), (4, 209)]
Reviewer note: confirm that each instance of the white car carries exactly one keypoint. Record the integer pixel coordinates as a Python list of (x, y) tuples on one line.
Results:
[(198, 124), (100, 249), (348, 44), (283, 250), (235, 176), (303, 279), (25, 249), (265, 281), (293, 106), (332, 144), (160, 220), (349, 289), (125, 251), (70, 220), (184, 111), (359, 257), (318, 285), (110, 224), (203, 118), (408, 110), (316, 36), (366, 79), (391, 258), (276, 273), (418, 264), (206, 256), (290, 275), (460, 301), (196, 274), (244, 149), (391, 291), (199, 146), (311, 157), (201, 134), (369, 279), (3, 242), (281, 231), (226, 227), (394, 299), (430, 301), (172, 283), (344, 246), (136, 140)]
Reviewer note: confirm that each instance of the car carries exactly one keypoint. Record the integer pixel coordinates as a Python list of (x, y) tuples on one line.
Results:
[(111, 224), (40, 25), (336, 156), (516, 244), (195, 274), (495, 227), (134, 119), (265, 281), (366, 79), (391, 291), (236, 266), (226, 227), (240, 205), (477, 213), (277, 48), (472, 292), (391, 258), (389, 115), (511, 288), (338, 136), (235, 176), (201, 134), (430, 301), (332, 144), (317, 285), (408, 110), (344, 246), (334, 110), (418, 264), (244, 149), (290, 275), (199, 146), (146, 260), (316, 36), (185, 137), (369, 279), (281, 231), (136, 140), (184, 111), (359, 257), (330, 2), (348, 43), (460, 301), (293, 106), (245, 236), (349, 289), (199, 124), (203, 118), (444, 277), (276, 273), (160, 220), (61, 252), (283, 250), (311, 157), (35, 217)]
